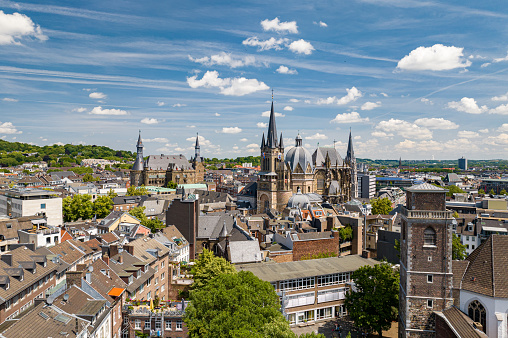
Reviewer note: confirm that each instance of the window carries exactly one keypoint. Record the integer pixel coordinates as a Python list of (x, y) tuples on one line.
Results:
[(43, 205), (149, 295), (430, 278), (331, 295), (9, 226), (168, 325), (324, 313), (430, 303), (147, 324), (156, 268), (162, 276), (137, 324), (297, 284), (334, 279), (429, 237), (299, 299), (158, 324), (429, 258), (179, 325), (477, 313), (162, 265), (162, 289), (126, 320), (156, 280), (292, 318)]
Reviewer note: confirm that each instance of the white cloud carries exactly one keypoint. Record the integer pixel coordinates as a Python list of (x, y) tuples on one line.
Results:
[(486, 130), (500, 139), (294, 100), (202, 140), (262, 125), (9, 99), (252, 146), (370, 105), (320, 24), (352, 117), (501, 59), (228, 86), (500, 98), (271, 43), (384, 94), (426, 101), (501, 110), (79, 110), (179, 105), (8, 127), (157, 140), (161, 103), (267, 114), (244, 139), (99, 111), (97, 95), (316, 136), (307, 101), (486, 64), (148, 120), (352, 95), (59, 143), (231, 130), (357, 137), (467, 105), (191, 126), (217, 114), (437, 57), (405, 129), (467, 134), (281, 27), (288, 108), (286, 70), (225, 59), (301, 47), (503, 128), (381, 134), (426, 145), (16, 26), (436, 123)]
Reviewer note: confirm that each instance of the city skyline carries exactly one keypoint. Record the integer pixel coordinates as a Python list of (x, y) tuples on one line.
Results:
[(416, 80)]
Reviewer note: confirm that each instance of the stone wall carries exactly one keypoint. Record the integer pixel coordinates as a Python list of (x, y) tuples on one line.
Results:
[(302, 249), (426, 201)]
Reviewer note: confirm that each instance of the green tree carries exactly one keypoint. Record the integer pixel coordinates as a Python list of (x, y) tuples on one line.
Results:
[(208, 266), (233, 305), (171, 185), (112, 193), (89, 178), (375, 303), (455, 214), (481, 192), (491, 192), (312, 335), (102, 206), (152, 224), (458, 249), (137, 191), (77, 207), (502, 192), (139, 213), (381, 206), (345, 233), (453, 189)]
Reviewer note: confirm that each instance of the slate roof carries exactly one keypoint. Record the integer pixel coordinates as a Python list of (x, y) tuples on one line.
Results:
[(458, 269), (319, 156), (244, 252), (211, 225), (68, 252), (104, 278), (79, 303), (298, 155), (425, 187), (109, 237), (206, 196), (164, 162), (487, 273), (142, 247), (128, 262), (460, 323)]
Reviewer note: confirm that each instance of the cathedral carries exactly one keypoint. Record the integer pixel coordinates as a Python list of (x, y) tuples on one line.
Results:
[(159, 170), (324, 172)]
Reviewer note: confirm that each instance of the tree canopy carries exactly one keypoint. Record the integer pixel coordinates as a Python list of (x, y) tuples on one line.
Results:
[(77, 207), (381, 206), (375, 303), (137, 191), (152, 224), (207, 267), (102, 206), (453, 189), (458, 249)]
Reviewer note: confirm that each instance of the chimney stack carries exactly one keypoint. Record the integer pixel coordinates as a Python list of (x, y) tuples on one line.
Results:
[(7, 258)]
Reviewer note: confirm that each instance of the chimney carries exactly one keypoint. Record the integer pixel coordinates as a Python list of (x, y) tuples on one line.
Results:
[(7, 258), (113, 250), (120, 259), (88, 277), (105, 258), (129, 249)]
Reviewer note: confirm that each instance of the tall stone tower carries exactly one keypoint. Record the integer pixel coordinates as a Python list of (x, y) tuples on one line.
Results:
[(197, 162), (137, 178), (425, 260), (197, 149), (273, 183), (351, 161)]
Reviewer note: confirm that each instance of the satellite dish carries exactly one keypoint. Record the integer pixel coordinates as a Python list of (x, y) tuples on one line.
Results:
[(66, 297)]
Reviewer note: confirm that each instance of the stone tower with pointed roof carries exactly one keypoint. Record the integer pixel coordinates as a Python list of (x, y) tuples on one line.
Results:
[(273, 191), (351, 161), (139, 165)]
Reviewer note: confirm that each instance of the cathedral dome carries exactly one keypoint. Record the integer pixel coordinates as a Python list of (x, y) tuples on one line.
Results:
[(299, 155), (298, 200)]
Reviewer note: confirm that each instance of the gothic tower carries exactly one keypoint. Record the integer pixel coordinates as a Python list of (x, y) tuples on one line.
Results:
[(273, 183), (425, 260), (137, 178), (351, 161), (197, 149), (197, 162)]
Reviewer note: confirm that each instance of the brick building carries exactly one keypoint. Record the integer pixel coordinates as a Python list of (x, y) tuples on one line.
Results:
[(184, 215), (425, 261)]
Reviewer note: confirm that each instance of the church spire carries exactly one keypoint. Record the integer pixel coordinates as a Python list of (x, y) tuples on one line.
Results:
[(350, 156), (140, 143), (263, 141), (271, 138), (281, 143), (197, 149), (139, 163)]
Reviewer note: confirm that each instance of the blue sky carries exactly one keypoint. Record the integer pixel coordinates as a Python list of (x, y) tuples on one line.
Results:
[(412, 79)]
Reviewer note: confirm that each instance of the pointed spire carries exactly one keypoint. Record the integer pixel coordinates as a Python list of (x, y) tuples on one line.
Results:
[(139, 163), (271, 138), (197, 141), (263, 141), (224, 231), (197, 155), (350, 156), (140, 143), (281, 143)]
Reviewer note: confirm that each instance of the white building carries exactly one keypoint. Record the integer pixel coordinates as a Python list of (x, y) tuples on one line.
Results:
[(21, 202), (366, 186)]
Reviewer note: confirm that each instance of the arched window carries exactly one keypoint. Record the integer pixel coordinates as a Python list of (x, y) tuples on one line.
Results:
[(477, 313), (429, 236)]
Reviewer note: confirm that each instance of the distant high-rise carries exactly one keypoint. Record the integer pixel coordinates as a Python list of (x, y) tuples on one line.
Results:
[(463, 163)]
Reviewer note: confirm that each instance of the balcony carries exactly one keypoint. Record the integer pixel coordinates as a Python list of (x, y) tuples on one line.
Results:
[(164, 309), (430, 214)]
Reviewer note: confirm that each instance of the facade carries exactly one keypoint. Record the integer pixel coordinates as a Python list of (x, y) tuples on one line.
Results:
[(425, 260), (324, 172), (184, 215), (310, 295), (40, 234), (494, 184), (366, 186), (159, 170), (29, 202), (463, 163)]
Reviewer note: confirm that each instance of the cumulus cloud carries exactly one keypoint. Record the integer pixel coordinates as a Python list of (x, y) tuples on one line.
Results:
[(384, 94), (352, 117), (501, 59), (427, 145), (486, 130), (301, 47), (353, 94), (179, 105), (467, 105), (307, 101), (501, 110), (217, 114), (436, 123), (231, 130), (79, 110), (202, 140), (244, 139), (370, 105), (161, 103), (381, 134), (320, 23), (467, 134), (157, 140), (228, 86), (252, 146), (99, 111), (286, 70), (294, 100), (16, 26), (97, 95), (437, 57), (288, 108), (271, 43), (8, 128), (225, 59), (267, 114), (148, 120), (279, 26), (262, 125), (500, 98), (316, 136), (405, 129), (9, 99)]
